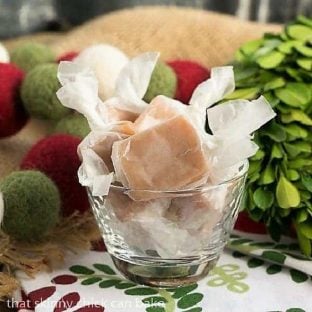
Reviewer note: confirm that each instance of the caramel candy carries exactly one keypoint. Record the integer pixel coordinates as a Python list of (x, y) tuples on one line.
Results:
[(168, 156), (198, 214), (116, 114), (126, 209), (159, 110), (103, 147)]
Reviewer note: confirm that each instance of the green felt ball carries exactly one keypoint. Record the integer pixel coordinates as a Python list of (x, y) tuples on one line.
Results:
[(31, 205), (163, 82), (30, 54), (74, 124), (39, 93)]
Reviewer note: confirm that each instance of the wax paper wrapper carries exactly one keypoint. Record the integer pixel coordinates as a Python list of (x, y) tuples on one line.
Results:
[(79, 91), (165, 148)]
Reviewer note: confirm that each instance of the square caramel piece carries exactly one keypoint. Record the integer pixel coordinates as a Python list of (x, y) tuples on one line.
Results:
[(103, 147), (158, 111), (168, 156)]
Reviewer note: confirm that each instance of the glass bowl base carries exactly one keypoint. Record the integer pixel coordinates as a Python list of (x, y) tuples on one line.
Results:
[(164, 276)]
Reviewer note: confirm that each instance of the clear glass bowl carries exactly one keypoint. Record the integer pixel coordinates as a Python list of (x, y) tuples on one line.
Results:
[(168, 238)]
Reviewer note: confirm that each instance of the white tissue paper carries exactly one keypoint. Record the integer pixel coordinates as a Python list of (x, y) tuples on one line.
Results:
[(160, 150)]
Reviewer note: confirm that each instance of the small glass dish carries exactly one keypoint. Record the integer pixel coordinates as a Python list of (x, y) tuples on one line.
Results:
[(168, 238)]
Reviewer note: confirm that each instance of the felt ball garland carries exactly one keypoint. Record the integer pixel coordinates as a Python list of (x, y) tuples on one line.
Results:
[(163, 82), (57, 157), (31, 203), (29, 55), (12, 113), (39, 93), (74, 124)]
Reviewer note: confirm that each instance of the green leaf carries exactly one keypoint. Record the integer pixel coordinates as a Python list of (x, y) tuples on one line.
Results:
[(195, 310), (251, 46), (276, 152), (275, 229), (295, 310), (274, 256), (297, 115), (274, 131), (305, 228), (190, 300), (182, 291), (91, 281), (268, 46), (141, 291), (263, 199), (267, 175), (154, 300), (254, 167), (244, 72), (284, 212), (246, 93), (301, 216), (259, 155), (304, 50), (273, 269), (104, 268), (287, 194), (155, 309), (109, 283), (254, 262), (294, 94), (294, 73), (271, 98), (299, 32), (306, 21), (274, 84), (307, 181), (256, 214), (304, 243), (125, 285), (288, 46), (292, 151), (298, 276), (299, 163), (80, 269), (296, 131), (271, 59), (292, 175), (305, 63)]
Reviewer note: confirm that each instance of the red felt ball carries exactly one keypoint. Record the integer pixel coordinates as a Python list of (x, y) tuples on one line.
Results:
[(56, 156), (190, 74), (245, 224), (12, 113), (68, 56)]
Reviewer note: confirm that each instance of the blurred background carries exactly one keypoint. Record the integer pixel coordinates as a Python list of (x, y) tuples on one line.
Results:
[(19, 17)]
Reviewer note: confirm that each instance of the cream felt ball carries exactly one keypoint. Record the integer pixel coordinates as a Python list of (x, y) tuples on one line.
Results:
[(163, 82), (31, 205), (106, 61), (4, 54), (74, 124), (31, 54), (39, 93)]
